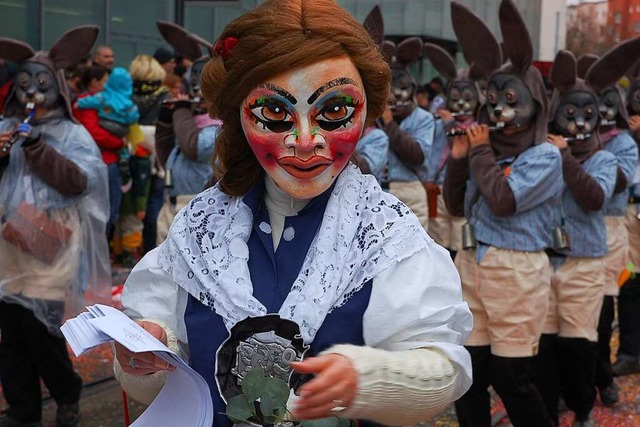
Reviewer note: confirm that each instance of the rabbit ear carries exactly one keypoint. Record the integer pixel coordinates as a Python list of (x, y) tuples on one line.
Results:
[(517, 40), (374, 24), (479, 46), (584, 63), (180, 39), (73, 45), (563, 71), (409, 50), (202, 42), (634, 72), (441, 60), (476, 73), (613, 64), (388, 50), (15, 50)]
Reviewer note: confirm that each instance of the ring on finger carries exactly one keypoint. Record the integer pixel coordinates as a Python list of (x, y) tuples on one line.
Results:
[(133, 363)]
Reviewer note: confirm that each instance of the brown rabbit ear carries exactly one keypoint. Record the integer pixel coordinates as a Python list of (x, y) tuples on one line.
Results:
[(475, 73), (73, 45), (584, 63), (441, 60), (388, 50), (634, 72), (202, 42), (517, 40), (505, 54), (564, 71), (180, 39), (612, 65), (15, 50), (374, 24), (409, 50), (479, 46)]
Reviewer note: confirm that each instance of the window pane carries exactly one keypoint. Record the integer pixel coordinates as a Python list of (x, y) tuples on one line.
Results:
[(62, 15), (14, 16)]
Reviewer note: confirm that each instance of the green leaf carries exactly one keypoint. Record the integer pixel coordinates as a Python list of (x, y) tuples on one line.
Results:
[(270, 408), (326, 422), (253, 384), (240, 409), (277, 391)]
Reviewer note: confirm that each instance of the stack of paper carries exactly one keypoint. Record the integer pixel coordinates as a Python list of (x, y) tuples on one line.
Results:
[(184, 400)]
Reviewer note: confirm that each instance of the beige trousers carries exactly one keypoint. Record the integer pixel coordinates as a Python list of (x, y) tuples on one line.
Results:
[(508, 294), (413, 195), (577, 291), (615, 261), (445, 228), (168, 213)]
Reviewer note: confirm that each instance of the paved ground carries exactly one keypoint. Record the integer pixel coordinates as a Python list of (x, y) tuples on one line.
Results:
[(102, 404)]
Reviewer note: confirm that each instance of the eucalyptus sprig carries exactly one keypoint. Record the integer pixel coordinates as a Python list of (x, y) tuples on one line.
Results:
[(264, 402)]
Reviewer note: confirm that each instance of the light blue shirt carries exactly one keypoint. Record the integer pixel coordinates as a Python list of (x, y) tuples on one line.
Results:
[(626, 151), (374, 148), (536, 182), (440, 141), (420, 125), (586, 229), (190, 177)]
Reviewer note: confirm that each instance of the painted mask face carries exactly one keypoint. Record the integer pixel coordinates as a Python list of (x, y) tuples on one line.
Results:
[(35, 83), (634, 100), (577, 115), (403, 89), (462, 98), (509, 102), (303, 125), (609, 106)]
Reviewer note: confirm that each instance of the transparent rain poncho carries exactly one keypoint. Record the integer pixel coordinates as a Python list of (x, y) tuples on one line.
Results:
[(54, 257)]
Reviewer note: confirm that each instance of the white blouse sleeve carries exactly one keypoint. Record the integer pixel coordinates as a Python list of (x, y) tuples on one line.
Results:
[(418, 304), (150, 293)]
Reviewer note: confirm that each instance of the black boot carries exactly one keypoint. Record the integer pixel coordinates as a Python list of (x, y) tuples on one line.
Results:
[(545, 375), (577, 363), (474, 408), (511, 379)]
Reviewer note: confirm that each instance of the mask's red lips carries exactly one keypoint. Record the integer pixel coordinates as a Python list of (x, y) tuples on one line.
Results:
[(305, 169)]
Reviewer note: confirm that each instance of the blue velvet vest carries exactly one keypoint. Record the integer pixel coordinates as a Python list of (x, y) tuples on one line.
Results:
[(272, 274)]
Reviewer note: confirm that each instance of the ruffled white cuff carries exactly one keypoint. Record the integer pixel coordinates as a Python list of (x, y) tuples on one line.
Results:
[(144, 389), (398, 387)]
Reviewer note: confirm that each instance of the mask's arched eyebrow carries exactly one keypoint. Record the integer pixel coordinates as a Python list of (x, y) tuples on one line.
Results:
[(333, 83), (280, 91)]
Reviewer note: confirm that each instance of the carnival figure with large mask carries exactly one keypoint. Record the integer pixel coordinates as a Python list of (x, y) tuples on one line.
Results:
[(504, 177), (409, 128), (628, 357), (463, 102), (54, 209), (295, 255), (614, 137), (185, 133), (579, 273)]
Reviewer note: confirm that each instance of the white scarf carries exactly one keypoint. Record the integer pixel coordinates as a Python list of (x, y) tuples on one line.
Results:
[(364, 231)]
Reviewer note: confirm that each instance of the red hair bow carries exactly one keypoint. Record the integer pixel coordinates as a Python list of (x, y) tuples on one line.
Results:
[(225, 46)]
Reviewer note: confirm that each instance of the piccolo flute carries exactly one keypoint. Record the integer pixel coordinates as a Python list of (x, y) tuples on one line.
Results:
[(456, 114), (31, 108), (462, 132), (195, 100)]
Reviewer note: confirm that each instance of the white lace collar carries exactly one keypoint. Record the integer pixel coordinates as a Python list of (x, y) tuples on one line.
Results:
[(364, 231)]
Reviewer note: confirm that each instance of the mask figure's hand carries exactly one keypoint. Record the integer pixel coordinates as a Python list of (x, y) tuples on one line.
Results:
[(334, 386), (478, 135), (558, 141), (459, 147), (139, 364), (634, 123)]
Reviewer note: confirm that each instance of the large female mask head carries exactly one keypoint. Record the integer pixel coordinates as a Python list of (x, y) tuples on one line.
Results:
[(294, 83)]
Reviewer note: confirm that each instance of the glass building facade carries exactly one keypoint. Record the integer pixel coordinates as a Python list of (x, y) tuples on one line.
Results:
[(129, 26)]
